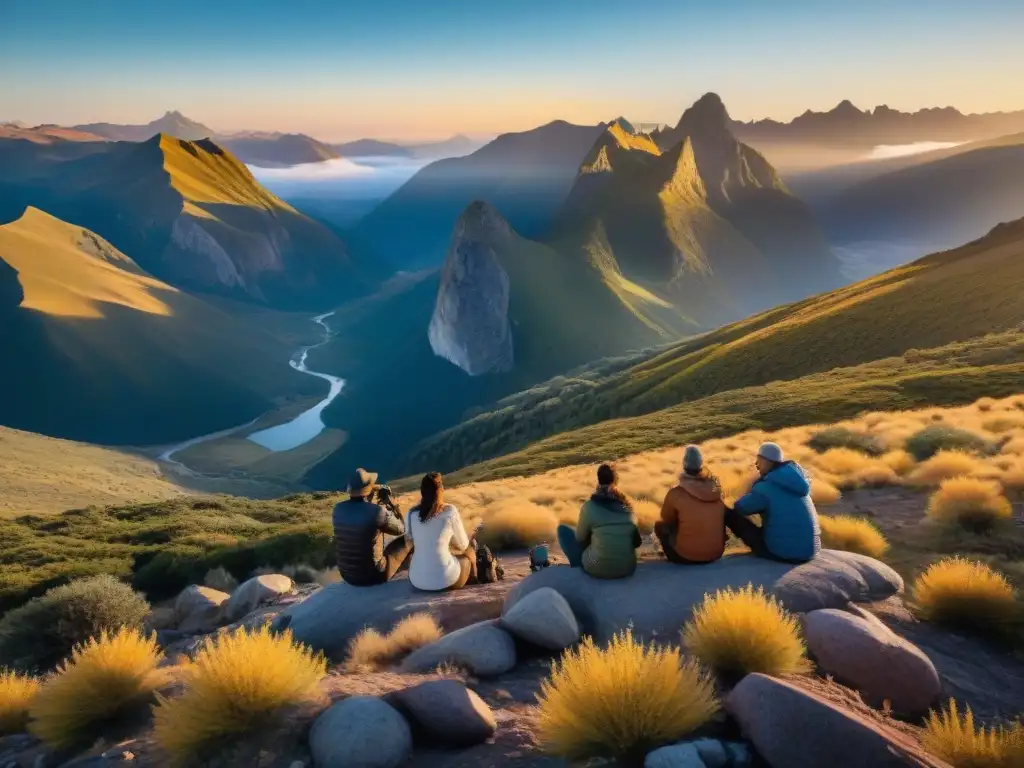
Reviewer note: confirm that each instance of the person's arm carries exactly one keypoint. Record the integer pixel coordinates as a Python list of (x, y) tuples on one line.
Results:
[(391, 523), (584, 528), (460, 540), (753, 503), (668, 510)]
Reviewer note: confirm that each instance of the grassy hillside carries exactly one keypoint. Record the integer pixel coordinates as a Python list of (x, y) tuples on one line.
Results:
[(88, 475), (101, 351), (946, 297), (191, 214)]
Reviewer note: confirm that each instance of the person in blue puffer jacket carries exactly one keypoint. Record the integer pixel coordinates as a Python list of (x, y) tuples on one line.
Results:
[(782, 497)]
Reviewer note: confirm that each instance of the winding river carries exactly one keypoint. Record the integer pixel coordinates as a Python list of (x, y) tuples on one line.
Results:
[(291, 434)]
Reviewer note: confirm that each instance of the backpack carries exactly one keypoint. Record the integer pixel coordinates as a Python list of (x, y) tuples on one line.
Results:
[(488, 569), (539, 557)]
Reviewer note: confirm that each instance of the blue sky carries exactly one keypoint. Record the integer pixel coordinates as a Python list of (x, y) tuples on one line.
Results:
[(428, 68)]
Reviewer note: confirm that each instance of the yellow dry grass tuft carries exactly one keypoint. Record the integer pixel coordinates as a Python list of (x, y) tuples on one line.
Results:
[(621, 701), (899, 461), (974, 504), (512, 525), (823, 492), (371, 651), (102, 681), (238, 682), (945, 465), (852, 534), (955, 738), (17, 692), (967, 594), (735, 632)]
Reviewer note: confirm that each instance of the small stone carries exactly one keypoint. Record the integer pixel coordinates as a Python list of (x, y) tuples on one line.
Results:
[(712, 752), (360, 732), (485, 649), (256, 590), (683, 755), (446, 712), (198, 609), (543, 618)]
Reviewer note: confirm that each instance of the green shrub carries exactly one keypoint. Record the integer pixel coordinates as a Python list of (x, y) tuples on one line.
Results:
[(167, 573), (938, 437), (841, 437), (43, 632)]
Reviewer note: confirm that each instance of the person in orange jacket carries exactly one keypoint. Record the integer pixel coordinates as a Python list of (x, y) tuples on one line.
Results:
[(692, 525)]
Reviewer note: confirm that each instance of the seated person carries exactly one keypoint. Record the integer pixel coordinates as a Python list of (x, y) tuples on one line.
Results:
[(692, 524), (782, 496), (606, 537), (436, 528), (359, 527)]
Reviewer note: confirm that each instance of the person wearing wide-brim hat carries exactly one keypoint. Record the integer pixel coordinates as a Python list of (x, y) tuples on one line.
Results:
[(782, 496), (360, 524)]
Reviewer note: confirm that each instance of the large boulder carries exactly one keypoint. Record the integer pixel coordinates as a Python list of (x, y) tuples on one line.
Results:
[(861, 651), (445, 712), (199, 609), (484, 649), (675, 756), (660, 596), (360, 732), (543, 618), (789, 726), (248, 596), (328, 619)]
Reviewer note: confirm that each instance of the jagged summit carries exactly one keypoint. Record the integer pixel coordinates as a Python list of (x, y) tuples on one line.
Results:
[(846, 108), (481, 221), (707, 114)]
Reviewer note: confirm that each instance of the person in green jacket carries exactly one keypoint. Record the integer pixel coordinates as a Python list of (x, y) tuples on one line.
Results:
[(606, 537)]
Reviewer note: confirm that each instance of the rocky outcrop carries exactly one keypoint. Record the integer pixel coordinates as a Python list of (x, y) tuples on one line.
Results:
[(329, 619), (256, 590), (861, 651), (445, 712), (789, 726), (544, 619), (199, 609), (470, 325), (660, 597)]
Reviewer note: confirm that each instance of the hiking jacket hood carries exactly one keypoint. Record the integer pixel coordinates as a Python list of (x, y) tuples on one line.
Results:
[(788, 516)]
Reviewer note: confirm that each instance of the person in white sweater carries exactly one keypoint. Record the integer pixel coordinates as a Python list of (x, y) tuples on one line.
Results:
[(443, 556)]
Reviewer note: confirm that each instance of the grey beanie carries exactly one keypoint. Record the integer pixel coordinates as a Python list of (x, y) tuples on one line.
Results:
[(693, 459), (772, 452)]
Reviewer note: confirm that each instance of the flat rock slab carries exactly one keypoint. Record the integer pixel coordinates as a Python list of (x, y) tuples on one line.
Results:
[(660, 597), (328, 619)]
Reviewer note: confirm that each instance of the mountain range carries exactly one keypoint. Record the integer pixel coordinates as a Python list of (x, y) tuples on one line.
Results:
[(846, 124), (191, 214)]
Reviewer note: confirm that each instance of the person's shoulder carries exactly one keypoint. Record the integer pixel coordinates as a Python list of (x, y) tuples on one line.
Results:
[(449, 509)]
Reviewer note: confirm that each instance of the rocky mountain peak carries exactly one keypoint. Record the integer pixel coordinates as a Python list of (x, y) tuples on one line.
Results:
[(481, 221), (707, 115)]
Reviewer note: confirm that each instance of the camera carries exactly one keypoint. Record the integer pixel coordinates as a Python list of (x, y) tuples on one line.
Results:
[(384, 494)]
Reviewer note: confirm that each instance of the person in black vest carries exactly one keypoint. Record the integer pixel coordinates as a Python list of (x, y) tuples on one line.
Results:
[(359, 527)]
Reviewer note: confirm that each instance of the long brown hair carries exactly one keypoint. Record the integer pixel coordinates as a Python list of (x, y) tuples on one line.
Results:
[(608, 487), (431, 496)]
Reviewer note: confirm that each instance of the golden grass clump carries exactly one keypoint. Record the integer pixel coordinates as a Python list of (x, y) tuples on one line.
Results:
[(735, 632), (512, 525), (843, 461), (965, 593), (944, 465), (899, 461), (371, 651), (621, 701), (852, 534), (17, 692), (237, 683), (956, 739), (647, 514), (1006, 422), (823, 492), (102, 681), (975, 504)]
